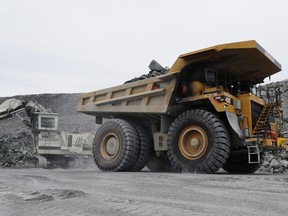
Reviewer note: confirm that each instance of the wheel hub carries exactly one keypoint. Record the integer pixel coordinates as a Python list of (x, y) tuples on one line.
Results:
[(193, 142), (110, 146)]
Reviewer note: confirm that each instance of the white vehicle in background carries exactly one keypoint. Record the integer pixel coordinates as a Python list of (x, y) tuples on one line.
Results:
[(51, 145)]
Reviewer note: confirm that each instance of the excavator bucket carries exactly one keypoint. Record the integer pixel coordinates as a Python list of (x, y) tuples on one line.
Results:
[(9, 106)]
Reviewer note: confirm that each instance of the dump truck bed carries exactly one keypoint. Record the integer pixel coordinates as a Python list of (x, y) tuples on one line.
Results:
[(246, 60), (146, 96)]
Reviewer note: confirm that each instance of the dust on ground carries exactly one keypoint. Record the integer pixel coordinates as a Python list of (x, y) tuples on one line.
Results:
[(93, 192)]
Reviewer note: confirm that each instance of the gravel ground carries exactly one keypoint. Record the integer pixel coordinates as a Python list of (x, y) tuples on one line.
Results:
[(92, 192)]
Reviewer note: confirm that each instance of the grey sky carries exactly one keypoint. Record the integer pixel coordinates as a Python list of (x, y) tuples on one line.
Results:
[(62, 46)]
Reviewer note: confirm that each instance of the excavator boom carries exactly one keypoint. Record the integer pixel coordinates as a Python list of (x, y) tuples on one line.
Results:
[(14, 106)]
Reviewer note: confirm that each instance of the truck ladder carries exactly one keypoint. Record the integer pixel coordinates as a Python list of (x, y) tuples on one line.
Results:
[(263, 120), (253, 154)]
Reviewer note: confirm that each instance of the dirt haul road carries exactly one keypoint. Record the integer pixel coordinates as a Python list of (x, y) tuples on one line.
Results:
[(92, 192)]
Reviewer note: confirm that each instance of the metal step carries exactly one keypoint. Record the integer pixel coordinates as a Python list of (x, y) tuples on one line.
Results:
[(263, 119), (253, 154)]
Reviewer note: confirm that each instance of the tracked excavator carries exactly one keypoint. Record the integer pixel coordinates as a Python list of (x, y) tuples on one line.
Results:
[(51, 146)]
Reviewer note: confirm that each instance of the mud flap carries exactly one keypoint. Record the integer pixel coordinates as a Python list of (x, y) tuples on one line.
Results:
[(234, 123)]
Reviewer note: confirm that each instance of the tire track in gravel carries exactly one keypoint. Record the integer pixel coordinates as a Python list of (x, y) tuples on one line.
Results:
[(91, 192)]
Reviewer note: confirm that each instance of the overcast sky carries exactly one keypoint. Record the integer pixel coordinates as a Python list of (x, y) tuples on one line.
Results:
[(72, 46)]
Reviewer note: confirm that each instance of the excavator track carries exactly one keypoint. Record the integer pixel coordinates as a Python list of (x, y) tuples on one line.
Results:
[(36, 161)]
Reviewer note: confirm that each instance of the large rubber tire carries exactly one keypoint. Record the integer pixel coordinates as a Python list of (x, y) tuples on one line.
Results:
[(238, 163), (146, 144), (198, 142), (116, 145)]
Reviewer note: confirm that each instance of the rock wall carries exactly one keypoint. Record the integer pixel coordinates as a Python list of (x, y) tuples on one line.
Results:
[(269, 92)]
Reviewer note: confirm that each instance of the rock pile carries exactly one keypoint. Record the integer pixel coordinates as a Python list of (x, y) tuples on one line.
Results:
[(155, 70), (15, 147), (275, 162)]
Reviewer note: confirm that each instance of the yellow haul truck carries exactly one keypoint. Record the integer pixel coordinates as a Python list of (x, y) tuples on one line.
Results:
[(203, 114)]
